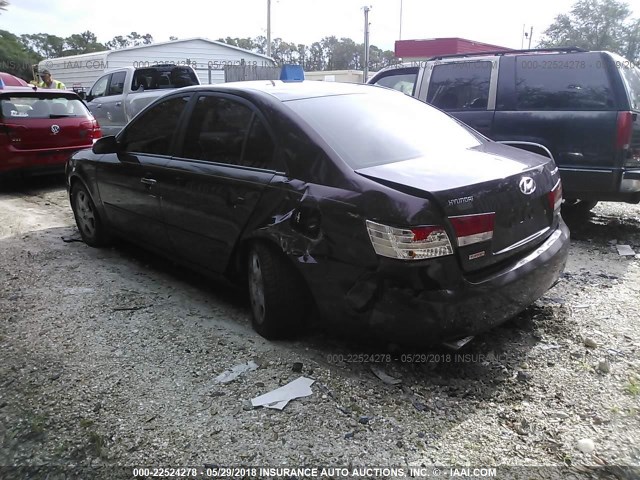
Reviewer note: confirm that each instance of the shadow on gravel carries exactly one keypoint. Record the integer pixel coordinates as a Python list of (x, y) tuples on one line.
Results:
[(32, 184), (604, 228)]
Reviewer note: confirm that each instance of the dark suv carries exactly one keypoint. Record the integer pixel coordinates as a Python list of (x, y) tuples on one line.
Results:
[(580, 107)]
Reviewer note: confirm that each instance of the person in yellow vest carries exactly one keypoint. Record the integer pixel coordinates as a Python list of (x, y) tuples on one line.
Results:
[(48, 82)]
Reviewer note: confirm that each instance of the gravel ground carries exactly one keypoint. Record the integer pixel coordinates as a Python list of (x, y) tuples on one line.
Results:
[(109, 357)]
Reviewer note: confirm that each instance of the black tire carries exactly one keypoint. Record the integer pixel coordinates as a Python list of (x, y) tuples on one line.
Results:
[(577, 206), (90, 225), (279, 299)]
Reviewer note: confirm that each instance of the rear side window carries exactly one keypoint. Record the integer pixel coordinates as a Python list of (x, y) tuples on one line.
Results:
[(403, 80), (225, 131), (631, 77), (562, 82), (34, 106), (460, 86), (116, 85)]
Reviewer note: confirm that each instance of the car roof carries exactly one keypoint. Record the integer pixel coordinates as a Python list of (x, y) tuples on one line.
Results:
[(486, 56), (44, 91), (285, 91)]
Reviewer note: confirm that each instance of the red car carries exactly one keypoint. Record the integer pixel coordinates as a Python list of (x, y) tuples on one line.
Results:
[(40, 129)]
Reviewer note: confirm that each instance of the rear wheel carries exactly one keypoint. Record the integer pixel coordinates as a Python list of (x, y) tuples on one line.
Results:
[(279, 300), (88, 220)]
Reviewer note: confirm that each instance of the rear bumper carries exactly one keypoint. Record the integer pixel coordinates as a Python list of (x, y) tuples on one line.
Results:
[(54, 159), (617, 185), (420, 317)]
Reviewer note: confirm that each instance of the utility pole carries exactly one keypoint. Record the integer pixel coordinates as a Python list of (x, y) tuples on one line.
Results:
[(522, 38), (365, 72), (400, 35), (530, 36), (268, 28)]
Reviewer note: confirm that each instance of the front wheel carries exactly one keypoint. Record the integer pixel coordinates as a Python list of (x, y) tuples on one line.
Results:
[(279, 300), (88, 219)]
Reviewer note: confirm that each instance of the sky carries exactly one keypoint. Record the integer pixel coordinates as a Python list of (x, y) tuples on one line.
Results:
[(498, 22)]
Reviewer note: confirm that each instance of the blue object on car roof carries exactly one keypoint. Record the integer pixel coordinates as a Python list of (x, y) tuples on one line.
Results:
[(292, 73)]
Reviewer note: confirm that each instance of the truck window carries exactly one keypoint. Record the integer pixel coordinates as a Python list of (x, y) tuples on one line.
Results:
[(403, 80), (116, 85), (631, 77), (562, 82), (460, 86), (100, 87)]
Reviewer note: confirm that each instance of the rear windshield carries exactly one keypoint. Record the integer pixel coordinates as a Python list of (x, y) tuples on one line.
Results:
[(163, 77), (382, 127), (563, 82), (30, 106)]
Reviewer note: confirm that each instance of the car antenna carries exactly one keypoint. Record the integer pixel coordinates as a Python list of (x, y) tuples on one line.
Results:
[(273, 83)]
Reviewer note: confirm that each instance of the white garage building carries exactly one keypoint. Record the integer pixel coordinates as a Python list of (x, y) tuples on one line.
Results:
[(207, 57)]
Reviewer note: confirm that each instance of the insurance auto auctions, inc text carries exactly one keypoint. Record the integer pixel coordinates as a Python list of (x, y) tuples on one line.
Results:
[(358, 472)]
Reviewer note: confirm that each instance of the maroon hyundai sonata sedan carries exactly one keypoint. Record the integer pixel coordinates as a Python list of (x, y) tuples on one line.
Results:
[(377, 210)]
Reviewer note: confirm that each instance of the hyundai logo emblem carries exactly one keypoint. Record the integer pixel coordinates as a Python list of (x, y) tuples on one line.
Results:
[(55, 129), (527, 185)]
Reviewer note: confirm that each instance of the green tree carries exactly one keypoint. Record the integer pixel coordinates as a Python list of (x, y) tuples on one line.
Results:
[(596, 25), (45, 45), (85, 42), (16, 58), (134, 39)]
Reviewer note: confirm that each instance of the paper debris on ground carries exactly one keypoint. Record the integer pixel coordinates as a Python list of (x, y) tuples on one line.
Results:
[(278, 398), (234, 372), (625, 251)]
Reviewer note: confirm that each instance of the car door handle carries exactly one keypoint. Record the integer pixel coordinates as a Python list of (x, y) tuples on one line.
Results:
[(118, 104), (99, 105), (148, 181)]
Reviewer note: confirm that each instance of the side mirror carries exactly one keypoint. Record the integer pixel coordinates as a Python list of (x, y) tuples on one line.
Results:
[(106, 145), (82, 95)]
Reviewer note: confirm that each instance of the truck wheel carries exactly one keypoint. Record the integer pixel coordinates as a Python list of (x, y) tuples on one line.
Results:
[(279, 300), (88, 220)]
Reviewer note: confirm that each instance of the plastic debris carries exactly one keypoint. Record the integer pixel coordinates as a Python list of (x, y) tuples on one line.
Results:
[(382, 375), (234, 372), (625, 251), (278, 398)]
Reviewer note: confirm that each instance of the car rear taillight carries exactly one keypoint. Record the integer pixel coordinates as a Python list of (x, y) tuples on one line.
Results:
[(411, 243), (472, 229), (555, 197), (624, 127), (93, 129)]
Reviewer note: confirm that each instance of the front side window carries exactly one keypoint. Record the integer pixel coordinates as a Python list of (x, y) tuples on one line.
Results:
[(217, 130), (460, 86), (153, 131), (100, 87), (562, 82), (403, 80)]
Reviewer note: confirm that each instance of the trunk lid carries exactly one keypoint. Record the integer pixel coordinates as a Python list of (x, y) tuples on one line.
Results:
[(513, 184)]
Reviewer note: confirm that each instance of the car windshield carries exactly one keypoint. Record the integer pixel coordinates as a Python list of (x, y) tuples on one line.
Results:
[(39, 106), (382, 127)]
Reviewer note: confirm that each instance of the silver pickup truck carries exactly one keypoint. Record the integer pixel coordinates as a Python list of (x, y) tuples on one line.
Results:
[(117, 96)]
